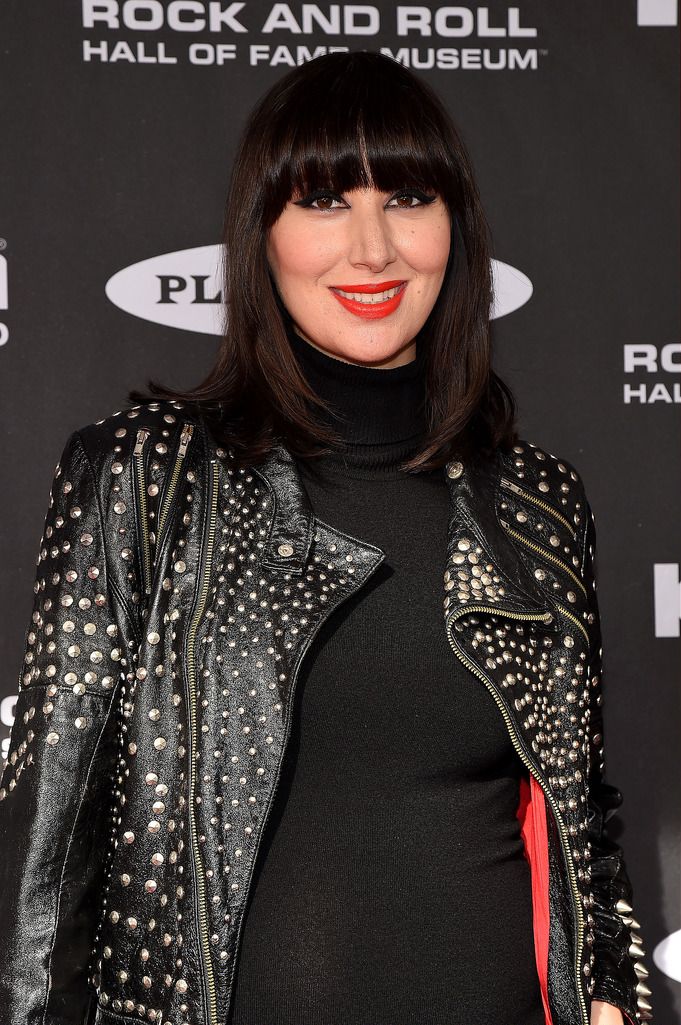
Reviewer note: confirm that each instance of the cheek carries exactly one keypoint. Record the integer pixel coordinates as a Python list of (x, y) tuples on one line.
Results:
[(296, 257), (428, 251)]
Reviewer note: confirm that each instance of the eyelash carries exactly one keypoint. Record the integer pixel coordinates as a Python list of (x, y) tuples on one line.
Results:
[(424, 200)]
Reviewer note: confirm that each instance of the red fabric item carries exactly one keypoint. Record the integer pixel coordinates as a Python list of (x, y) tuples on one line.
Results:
[(531, 814)]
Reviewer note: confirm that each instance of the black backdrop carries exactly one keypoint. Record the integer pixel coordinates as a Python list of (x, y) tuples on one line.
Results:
[(116, 148)]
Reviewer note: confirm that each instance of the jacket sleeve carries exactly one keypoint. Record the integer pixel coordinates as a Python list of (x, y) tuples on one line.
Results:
[(618, 974), (58, 784)]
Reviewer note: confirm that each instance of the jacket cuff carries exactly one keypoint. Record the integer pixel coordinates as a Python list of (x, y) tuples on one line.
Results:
[(611, 999), (612, 989)]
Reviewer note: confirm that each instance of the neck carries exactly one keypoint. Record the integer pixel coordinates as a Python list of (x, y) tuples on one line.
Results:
[(379, 413)]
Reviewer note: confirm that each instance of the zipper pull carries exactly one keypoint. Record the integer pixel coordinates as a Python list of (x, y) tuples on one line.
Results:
[(142, 435), (185, 438)]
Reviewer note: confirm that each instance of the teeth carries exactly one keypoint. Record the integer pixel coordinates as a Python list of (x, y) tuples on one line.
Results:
[(364, 297)]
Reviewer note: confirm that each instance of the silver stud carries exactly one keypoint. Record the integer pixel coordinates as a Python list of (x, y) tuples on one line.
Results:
[(455, 470), (286, 550)]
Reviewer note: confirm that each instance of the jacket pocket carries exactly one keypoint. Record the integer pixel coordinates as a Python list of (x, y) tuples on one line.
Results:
[(525, 495), (539, 526)]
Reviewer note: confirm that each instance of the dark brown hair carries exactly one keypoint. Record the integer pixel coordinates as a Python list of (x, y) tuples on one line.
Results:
[(311, 131)]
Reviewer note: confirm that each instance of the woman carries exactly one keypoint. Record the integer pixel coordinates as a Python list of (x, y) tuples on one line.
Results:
[(253, 780)]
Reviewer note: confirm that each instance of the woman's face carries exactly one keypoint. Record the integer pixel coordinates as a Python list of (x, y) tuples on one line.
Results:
[(366, 243)]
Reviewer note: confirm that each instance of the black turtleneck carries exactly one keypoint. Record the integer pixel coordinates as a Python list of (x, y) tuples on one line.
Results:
[(381, 414), (391, 886)]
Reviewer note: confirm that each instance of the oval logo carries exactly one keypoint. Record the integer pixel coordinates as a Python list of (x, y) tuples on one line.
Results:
[(183, 289), (180, 289)]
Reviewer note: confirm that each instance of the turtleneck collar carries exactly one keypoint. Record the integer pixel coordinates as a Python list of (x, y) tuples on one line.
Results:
[(381, 410)]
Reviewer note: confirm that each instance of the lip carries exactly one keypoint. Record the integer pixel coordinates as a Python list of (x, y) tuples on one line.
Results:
[(371, 311), (371, 289)]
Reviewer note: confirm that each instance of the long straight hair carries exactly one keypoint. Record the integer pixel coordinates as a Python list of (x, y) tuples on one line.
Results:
[(347, 121)]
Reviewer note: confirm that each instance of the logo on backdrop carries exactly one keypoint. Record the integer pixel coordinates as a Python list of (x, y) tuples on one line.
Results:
[(182, 289), (663, 361), (252, 35), (474, 38)]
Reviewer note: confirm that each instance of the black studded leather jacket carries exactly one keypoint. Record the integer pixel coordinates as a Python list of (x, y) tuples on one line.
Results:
[(175, 598)]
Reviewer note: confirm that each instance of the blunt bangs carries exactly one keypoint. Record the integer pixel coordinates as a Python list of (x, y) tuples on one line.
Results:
[(355, 127)]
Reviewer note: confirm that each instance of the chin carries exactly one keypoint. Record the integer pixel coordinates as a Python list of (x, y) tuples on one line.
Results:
[(373, 355)]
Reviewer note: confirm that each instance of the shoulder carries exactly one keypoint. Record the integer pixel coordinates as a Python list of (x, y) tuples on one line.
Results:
[(114, 434), (547, 477), (101, 454), (105, 447)]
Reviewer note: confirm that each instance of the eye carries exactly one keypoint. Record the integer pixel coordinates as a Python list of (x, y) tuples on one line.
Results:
[(315, 197), (421, 199)]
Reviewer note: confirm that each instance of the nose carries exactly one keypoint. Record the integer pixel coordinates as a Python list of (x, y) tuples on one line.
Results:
[(370, 239)]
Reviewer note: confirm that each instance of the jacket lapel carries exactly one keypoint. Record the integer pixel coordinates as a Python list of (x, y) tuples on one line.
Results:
[(483, 566)]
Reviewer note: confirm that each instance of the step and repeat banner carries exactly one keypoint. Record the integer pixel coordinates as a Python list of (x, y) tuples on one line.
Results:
[(119, 127)]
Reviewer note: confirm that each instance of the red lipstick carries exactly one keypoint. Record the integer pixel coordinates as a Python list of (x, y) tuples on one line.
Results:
[(371, 289), (370, 310)]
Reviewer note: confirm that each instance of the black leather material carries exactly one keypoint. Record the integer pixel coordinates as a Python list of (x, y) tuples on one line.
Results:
[(614, 975), (175, 598)]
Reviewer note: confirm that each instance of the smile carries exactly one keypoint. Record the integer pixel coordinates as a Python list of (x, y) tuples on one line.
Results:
[(371, 301)]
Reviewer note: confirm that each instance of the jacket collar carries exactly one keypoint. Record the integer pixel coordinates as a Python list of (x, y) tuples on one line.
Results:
[(288, 544), (474, 500)]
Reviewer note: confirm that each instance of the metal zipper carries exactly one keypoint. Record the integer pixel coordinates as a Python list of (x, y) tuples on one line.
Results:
[(207, 558), (546, 618), (185, 438), (512, 486), (544, 552), (570, 615), (138, 456)]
